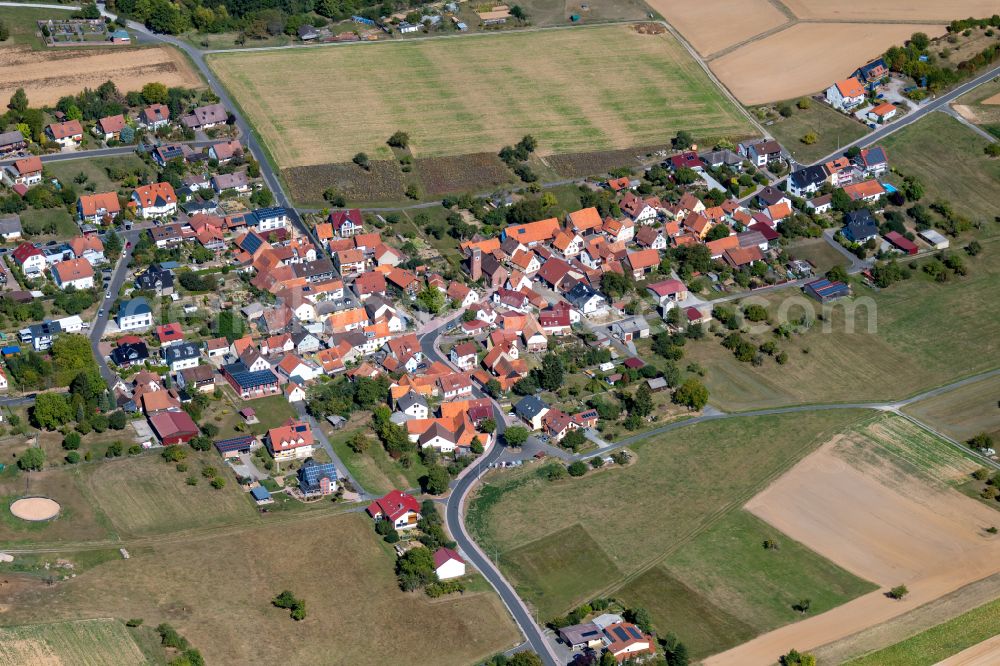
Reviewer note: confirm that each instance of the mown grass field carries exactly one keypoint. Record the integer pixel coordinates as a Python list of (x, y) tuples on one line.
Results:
[(374, 469), (577, 90), (146, 495), (91, 642), (21, 23), (926, 334), (626, 531), (217, 590), (940, 642), (832, 129), (948, 159), (96, 170), (964, 412)]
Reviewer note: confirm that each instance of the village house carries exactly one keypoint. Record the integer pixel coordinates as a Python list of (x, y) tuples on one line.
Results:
[(10, 227), (641, 262), (881, 113), (290, 441), (67, 134), (96, 208), (668, 293), (586, 221), (532, 233), (199, 378), (413, 405), (154, 116), (846, 94), (760, 153), (109, 127), (206, 117), (224, 151), (250, 384), (317, 479), (346, 223), (134, 314), (637, 209), (231, 182), (182, 355), (128, 354), (76, 273), (400, 508), (26, 171), (88, 247), (630, 328), (156, 200), (463, 355), (585, 299)]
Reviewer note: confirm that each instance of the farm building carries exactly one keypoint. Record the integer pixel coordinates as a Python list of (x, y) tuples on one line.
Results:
[(901, 242), (448, 564), (933, 238), (173, 427), (824, 290)]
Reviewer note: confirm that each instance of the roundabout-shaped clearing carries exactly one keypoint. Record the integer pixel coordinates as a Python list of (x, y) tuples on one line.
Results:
[(35, 509)]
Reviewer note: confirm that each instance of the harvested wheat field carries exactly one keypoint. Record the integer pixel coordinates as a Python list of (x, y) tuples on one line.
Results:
[(879, 502), (699, 21), (91, 642), (475, 94), (898, 10), (763, 71), (48, 75)]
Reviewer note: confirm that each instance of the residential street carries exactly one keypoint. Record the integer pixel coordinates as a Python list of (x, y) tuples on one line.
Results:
[(101, 322)]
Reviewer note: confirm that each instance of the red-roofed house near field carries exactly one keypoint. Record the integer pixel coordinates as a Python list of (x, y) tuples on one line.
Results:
[(396, 506)]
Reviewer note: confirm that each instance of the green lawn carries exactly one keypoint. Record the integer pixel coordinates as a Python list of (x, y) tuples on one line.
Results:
[(565, 542), (832, 130), (940, 642), (948, 159), (21, 22), (92, 642), (925, 334), (96, 170), (146, 495), (817, 252), (374, 469), (36, 222)]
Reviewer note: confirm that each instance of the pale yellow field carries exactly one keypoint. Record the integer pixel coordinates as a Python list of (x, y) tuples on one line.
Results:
[(579, 90), (901, 10), (992, 100), (775, 68), (48, 75), (700, 22)]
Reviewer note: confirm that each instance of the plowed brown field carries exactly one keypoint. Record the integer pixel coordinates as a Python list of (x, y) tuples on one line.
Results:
[(48, 75)]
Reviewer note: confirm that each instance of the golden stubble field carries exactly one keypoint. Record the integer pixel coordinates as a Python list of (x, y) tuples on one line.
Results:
[(769, 50), (48, 75), (585, 89), (700, 22), (773, 68)]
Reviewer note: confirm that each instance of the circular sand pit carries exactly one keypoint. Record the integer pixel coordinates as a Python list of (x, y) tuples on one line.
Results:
[(35, 508)]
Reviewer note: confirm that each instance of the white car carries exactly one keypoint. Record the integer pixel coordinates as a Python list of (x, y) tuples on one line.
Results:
[(107, 294)]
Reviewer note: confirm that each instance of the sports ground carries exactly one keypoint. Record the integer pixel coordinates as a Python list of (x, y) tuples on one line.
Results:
[(576, 90)]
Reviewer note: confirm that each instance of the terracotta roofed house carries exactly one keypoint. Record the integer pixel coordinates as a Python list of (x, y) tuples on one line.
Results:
[(155, 200), (77, 273), (109, 127), (154, 116), (96, 207), (402, 509), (292, 440), (845, 94), (642, 261), (66, 134), (26, 171), (586, 221)]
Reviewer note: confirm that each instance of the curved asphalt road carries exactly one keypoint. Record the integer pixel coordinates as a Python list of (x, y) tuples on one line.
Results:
[(455, 518)]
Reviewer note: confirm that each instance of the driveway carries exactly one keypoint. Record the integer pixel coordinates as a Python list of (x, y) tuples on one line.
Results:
[(244, 466)]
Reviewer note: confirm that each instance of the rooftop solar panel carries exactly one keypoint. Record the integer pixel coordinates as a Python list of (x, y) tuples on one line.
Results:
[(620, 633), (634, 632)]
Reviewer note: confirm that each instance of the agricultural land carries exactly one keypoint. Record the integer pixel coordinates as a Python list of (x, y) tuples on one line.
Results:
[(963, 412), (48, 74), (180, 582), (900, 342), (96, 642), (470, 95), (880, 501), (982, 107), (680, 567)]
